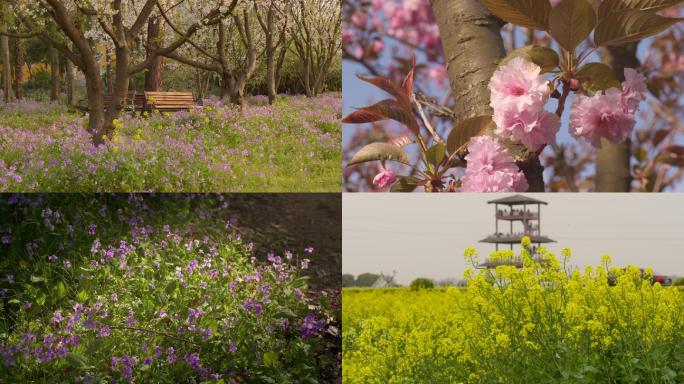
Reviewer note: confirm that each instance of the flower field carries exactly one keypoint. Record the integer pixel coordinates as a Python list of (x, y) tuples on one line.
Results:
[(152, 288), (537, 324), (291, 146)]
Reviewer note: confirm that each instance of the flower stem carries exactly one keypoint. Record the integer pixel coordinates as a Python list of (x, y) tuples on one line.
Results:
[(426, 122), (155, 332)]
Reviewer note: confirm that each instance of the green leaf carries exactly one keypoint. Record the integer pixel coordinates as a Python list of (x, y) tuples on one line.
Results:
[(525, 13), (611, 6), (597, 77), (544, 57), (82, 296), (436, 154), (271, 359), (627, 26), (170, 287), (37, 279), (379, 151), (94, 346), (41, 299), (60, 290), (75, 360), (461, 134), (571, 22), (14, 301), (405, 184), (299, 282)]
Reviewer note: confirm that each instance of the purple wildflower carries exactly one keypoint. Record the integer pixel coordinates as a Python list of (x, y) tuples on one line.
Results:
[(310, 326), (92, 229), (157, 351), (130, 319), (104, 331), (52, 258), (171, 355), (57, 317), (194, 361)]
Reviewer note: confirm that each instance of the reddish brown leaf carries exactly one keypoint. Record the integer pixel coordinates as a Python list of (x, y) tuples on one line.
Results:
[(362, 116), (390, 87), (676, 150), (660, 135), (407, 85), (391, 109)]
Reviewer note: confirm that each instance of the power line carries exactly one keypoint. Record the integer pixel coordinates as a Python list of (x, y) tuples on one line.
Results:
[(461, 235)]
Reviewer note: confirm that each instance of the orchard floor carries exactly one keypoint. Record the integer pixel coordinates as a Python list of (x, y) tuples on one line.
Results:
[(292, 146)]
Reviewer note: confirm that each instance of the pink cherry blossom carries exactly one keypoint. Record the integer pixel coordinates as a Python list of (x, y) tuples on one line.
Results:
[(633, 90), (491, 169), (601, 116), (531, 127), (519, 83), (518, 94), (385, 178)]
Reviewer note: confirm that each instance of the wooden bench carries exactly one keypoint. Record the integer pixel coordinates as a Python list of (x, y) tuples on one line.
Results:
[(169, 101), (132, 102)]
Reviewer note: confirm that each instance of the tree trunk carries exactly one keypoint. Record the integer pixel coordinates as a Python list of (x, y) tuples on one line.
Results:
[(154, 75), (120, 90), (109, 73), (6, 66), (270, 56), (55, 74), (473, 47), (95, 94), (613, 172), (19, 64), (71, 96), (279, 64)]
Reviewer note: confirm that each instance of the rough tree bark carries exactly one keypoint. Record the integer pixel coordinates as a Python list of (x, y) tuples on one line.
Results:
[(69, 75), (19, 64), (473, 47), (6, 67), (240, 78), (54, 74), (154, 76), (613, 173), (109, 77)]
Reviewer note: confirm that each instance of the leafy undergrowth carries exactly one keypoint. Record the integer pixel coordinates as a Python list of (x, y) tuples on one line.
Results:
[(152, 288), (293, 145), (531, 325)]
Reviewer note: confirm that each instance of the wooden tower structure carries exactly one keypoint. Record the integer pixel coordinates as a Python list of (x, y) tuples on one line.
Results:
[(515, 217)]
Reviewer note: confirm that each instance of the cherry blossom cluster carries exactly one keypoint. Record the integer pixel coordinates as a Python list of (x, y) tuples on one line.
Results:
[(608, 115), (491, 168), (519, 93)]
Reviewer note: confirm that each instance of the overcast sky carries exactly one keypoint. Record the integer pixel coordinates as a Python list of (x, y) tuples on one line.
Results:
[(424, 235)]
